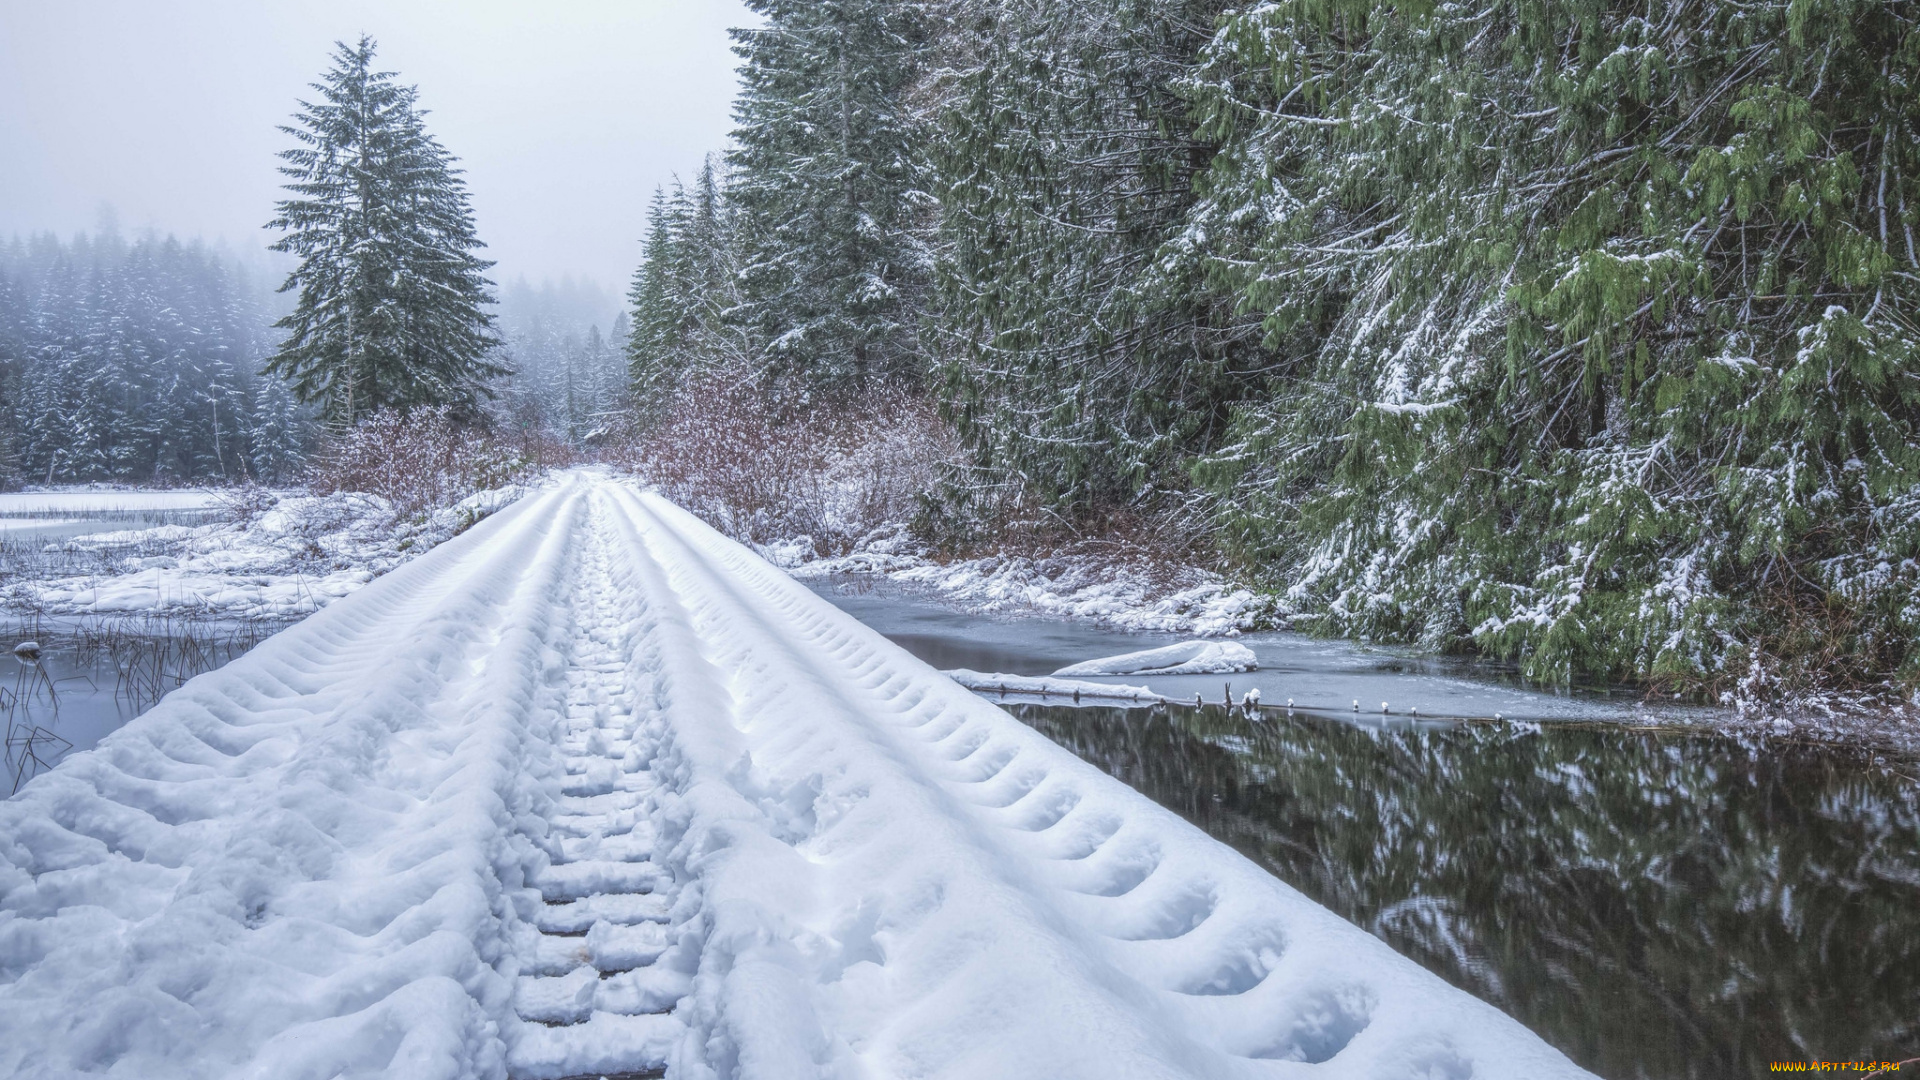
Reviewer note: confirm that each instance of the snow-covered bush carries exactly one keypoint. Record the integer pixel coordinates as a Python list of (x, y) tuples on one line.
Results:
[(422, 460), (1592, 329), (830, 473)]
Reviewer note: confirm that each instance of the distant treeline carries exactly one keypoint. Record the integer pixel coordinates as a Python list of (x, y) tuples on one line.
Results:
[(568, 375), (138, 362), (1579, 332)]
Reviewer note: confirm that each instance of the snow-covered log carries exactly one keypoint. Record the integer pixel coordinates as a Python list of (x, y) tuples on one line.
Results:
[(1185, 658)]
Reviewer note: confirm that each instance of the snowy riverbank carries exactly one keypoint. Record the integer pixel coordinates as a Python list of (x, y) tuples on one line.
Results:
[(1129, 596), (1122, 594), (592, 790), (271, 555)]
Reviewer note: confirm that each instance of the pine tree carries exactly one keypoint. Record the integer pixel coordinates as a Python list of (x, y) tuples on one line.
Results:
[(656, 348), (274, 452), (826, 176), (1598, 321), (686, 299), (12, 363), (1084, 369), (391, 310)]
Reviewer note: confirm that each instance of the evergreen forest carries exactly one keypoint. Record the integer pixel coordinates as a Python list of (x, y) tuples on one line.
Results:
[(1578, 333), (142, 362), (138, 361), (155, 362)]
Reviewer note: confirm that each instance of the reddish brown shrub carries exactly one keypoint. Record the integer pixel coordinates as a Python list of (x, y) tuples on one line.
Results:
[(419, 460), (831, 472)]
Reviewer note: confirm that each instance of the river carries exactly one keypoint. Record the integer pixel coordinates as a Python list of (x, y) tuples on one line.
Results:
[(1660, 902)]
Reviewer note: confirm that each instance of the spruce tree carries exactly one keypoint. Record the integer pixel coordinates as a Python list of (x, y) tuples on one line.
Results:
[(656, 348), (1084, 368), (12, 362), (1597, 323), (392, 300), (825, 172), (687, 296)]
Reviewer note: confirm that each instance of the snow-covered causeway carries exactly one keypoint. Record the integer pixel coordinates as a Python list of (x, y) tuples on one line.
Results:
[(591, 790)]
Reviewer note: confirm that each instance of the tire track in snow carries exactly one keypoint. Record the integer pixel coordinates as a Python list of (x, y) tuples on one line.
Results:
[(605, 964), (592, 791), (303, 864), (903, 880)]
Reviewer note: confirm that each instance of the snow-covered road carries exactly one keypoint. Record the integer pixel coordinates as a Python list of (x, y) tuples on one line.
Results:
[(591, 790)]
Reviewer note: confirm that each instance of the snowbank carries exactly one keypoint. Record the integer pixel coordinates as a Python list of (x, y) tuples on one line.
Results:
[(293, 866), (1185, 658), (591, 789), (1183, 600), (291, 559)]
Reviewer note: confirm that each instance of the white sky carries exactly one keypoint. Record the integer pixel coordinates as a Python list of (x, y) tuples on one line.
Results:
[(565, 113)]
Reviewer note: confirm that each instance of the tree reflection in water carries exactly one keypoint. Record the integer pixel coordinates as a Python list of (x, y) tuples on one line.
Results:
[(1657, 905)]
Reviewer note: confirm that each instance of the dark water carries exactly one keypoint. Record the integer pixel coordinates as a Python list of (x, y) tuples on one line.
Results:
[(1655, 905), (1319, 675), (94, 674)]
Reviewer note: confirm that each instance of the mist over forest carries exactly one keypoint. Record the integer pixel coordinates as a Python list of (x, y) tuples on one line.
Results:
[(1575, 334), (137, 361), (963, 539)]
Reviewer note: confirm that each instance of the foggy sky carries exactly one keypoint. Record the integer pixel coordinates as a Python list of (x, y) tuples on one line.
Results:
[(565, 113)]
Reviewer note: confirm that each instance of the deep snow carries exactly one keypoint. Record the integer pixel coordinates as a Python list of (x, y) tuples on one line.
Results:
[(591, 788), (1184, 600), (1184, 658), (290, 557)]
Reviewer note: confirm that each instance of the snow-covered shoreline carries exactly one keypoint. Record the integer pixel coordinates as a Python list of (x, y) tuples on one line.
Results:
[(272, 555), (369, 848), (1119, 594), (1192, 601)]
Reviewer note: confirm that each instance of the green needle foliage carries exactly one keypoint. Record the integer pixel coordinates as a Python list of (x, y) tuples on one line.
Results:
[(1597, 321), (825, 168), (392, 300), (1080, 369), (682, 294), (1576, 332)]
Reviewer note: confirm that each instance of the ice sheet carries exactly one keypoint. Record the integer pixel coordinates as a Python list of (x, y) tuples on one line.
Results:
[(1048, 686), (104, 501)]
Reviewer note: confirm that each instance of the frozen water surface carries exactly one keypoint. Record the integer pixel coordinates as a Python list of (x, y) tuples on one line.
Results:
[(1659, 904), (34, 528), (1317, 675), (85, 502), (42, 517)]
